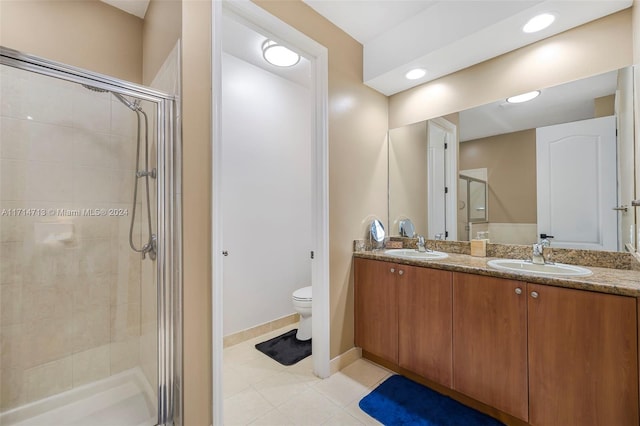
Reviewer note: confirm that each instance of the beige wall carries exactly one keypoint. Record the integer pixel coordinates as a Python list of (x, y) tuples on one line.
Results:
[(581, 52), (510, 160), (161, 30), (88, 34), (408, 177), (196, 187), (357, 156), (636, 31), (604, 106)]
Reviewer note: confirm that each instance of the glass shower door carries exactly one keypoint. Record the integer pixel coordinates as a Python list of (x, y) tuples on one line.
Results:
[(78, 306)]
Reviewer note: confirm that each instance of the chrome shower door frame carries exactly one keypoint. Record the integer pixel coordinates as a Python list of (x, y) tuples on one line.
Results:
[(169, 258)]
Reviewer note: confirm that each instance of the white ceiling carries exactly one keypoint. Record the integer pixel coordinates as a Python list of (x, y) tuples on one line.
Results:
[(448, 35), (134, 7), (440, 36), (560, 104)]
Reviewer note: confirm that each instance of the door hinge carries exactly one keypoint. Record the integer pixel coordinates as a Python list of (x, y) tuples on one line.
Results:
[(312, 254), (446, 145), (446, 190), (446, 234)]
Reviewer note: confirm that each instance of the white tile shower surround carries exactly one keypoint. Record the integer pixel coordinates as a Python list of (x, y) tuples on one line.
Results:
[(125, 399), (260, 391)]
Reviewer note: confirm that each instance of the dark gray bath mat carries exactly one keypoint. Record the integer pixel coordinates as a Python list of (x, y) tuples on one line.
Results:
[(286, 349)]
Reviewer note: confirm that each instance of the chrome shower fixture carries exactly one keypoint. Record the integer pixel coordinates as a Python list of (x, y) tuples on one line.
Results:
[(151, 246), (133, 106)]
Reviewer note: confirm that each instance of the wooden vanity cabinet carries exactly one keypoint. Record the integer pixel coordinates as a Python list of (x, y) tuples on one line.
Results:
[(403, 314), (376, 308), (546, 355), (425, 326), (490, 341), (583, 357)]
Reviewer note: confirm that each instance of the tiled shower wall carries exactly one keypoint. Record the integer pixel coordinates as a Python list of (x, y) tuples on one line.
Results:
[(70, 302)]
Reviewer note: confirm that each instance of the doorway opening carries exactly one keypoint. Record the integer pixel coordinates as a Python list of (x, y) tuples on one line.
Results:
[(266, 162)]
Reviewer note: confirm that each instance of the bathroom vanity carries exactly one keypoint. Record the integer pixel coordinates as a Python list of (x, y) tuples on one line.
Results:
[(523, 348)]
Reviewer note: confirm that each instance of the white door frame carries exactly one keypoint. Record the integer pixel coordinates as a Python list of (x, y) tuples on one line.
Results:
[(451, 178), (318, 56)]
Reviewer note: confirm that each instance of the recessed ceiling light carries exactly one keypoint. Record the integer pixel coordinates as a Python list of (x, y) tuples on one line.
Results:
[(416, 74), (524, 97), (538, 23), (279, 55)]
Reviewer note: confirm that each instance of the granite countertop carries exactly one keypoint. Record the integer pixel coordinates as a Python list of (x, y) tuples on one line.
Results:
[(604, 280)]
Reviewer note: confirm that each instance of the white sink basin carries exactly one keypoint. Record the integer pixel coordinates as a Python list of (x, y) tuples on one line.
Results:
[(415, 254), (548, 269)]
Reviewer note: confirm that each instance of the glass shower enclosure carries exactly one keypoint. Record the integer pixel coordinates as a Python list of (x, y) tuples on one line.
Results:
[(89, 248)]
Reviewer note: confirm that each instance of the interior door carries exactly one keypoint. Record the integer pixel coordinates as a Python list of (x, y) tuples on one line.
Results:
[(576, 181), (442, 177)]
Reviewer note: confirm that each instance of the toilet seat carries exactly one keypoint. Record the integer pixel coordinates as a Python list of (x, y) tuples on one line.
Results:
[(302, 294)]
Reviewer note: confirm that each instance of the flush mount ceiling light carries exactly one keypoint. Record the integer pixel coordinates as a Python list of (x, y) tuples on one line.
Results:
[(524, 97), (415, 74), (279, 55), (538, 23)]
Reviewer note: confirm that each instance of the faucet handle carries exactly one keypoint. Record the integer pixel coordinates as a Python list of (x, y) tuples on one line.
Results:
[(544, 240)]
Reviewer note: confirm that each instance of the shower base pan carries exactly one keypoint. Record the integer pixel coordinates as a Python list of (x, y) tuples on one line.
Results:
[(124, 399)]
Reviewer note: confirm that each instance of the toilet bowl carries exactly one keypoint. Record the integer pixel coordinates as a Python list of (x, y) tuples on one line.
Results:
[(302, 304)]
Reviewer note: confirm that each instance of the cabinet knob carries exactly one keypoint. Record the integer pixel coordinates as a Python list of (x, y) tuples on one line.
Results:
[(518, 290), (400, 272), (534, 294), (392, 270)]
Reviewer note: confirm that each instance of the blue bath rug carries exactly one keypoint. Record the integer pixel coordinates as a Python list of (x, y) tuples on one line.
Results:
[(399, 401)]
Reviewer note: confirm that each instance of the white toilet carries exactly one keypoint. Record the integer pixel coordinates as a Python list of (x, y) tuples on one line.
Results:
[(302, 304)]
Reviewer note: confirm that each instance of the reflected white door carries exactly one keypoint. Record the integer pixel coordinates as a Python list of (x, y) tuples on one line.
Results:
[(442, 179), (576, 180)]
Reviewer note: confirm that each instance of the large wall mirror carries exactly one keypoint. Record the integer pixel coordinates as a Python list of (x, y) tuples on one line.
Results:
[(561, 163)]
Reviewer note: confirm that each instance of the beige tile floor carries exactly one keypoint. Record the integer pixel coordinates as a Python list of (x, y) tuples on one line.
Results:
[(260, 391)]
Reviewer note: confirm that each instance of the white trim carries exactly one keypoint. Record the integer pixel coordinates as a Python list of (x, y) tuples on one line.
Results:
[(217, 317), (318, 56)]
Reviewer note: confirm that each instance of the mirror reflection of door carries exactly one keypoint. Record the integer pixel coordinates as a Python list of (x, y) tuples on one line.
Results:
[(577, 183), (441, 180), (463, 210), (472, 203), (477, 201)]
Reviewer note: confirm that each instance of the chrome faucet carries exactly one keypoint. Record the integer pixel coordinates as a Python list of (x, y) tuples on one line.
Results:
[(538, 249), (421, 248), (538, 254)]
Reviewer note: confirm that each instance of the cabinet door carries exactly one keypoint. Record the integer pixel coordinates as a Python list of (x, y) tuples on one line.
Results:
[(490, 341), (425, 326), (583, 365), (376, 308)]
